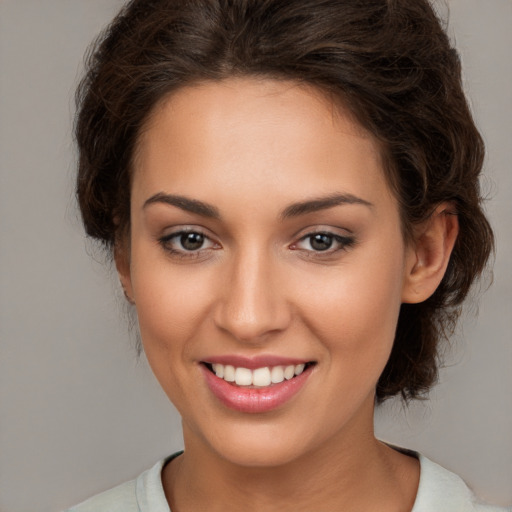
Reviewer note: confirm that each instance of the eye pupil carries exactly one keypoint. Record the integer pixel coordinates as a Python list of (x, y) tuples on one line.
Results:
[(321, 242), (192, 241)]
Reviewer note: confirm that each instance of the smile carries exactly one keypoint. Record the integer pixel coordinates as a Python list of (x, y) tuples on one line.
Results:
[(259, 389), (258, 377)]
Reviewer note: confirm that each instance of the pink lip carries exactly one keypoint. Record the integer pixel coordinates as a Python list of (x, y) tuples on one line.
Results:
[(254, 400), (254, 362)]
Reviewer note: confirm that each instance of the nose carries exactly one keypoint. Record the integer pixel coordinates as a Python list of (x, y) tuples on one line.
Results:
[(252, 303)]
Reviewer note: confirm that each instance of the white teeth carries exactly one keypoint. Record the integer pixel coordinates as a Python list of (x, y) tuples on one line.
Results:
[(289, 372), (299, 369), (229, 373), (243, 377), (219, 370), (277, 374), (260, 377)]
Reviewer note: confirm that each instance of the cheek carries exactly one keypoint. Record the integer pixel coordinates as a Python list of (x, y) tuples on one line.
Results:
[(168, 309), (171, 301), (355, 310)]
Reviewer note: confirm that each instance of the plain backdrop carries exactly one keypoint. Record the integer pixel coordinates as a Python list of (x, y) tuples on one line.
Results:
[(78, 413)]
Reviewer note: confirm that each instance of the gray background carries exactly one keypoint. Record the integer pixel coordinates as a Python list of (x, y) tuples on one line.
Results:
[(78, 413)]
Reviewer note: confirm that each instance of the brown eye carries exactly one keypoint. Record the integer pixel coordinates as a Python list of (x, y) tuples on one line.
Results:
[(324, 242), (187, 243), (321, 242), (192, 241)]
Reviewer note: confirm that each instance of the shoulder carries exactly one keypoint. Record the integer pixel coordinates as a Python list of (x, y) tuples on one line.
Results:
[(444, 491), (144, 494), (122, 498)]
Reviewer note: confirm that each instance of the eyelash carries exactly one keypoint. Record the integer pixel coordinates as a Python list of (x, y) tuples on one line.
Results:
[(343, 243), (167, 242)]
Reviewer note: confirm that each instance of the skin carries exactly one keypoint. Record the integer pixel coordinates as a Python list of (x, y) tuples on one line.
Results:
[(249, 149)]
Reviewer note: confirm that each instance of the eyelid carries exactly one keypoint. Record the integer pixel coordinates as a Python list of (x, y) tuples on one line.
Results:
[(343, 242), (166, 241), (330, 229)]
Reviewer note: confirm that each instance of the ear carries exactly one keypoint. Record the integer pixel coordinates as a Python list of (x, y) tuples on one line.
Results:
[(427, 256), (122, 260)]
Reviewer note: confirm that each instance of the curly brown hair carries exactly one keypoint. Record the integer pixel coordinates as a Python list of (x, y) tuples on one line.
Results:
[(389, 61)]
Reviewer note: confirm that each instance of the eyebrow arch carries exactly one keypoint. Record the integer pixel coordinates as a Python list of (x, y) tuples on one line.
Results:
[(184, 203), (322, 203)]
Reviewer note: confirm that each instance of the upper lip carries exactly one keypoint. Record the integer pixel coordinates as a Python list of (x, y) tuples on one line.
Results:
[(254, 362)]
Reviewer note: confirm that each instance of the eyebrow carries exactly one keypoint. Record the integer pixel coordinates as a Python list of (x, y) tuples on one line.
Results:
[(322, 203), (293, 210), (184, 203)]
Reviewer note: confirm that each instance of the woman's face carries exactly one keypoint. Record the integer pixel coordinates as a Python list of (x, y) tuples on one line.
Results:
[(265, 242)]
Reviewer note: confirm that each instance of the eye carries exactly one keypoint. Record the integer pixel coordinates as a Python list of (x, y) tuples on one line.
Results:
[(324, 242), (320, 241), (191, 241), (187, 242)]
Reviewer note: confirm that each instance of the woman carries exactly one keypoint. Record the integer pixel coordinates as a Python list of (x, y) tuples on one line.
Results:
[(290, 193)]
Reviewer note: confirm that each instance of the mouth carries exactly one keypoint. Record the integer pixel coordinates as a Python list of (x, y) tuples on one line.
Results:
[(257, 378), (258, 384)]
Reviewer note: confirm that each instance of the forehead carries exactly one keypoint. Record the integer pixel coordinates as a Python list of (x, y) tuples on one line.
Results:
[(246, 101), (247, 134)]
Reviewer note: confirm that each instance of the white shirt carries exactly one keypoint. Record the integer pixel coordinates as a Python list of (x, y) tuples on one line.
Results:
[(439, 491)]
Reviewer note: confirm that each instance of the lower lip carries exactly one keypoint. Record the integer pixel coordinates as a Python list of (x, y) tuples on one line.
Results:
[(254, 400)]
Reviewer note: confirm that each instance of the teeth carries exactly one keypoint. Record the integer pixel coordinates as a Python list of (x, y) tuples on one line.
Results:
[(260, 377), (277, 374), (299, 369), (218, 369), (229, 373), (243, 377), (289, 372)]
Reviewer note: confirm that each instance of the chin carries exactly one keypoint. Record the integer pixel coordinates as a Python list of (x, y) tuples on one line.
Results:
[(262, 446)]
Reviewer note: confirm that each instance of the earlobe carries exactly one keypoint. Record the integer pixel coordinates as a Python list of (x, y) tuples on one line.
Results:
[(122, 260), (428, 255)]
